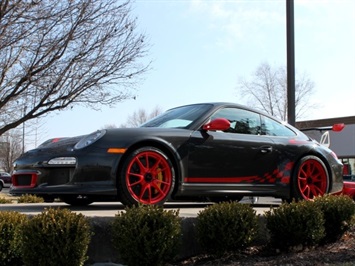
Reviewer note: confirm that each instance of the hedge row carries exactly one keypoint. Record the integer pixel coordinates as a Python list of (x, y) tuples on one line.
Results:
[(150, 235)]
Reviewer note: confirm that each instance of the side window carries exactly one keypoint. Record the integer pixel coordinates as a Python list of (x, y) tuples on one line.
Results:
[(273, 128), (242, 121)]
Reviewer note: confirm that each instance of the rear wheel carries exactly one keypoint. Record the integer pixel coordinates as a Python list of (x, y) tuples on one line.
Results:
[(147, 177), (1, 186), (311, 178)]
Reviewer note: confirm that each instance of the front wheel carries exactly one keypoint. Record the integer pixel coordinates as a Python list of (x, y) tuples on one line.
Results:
[(147, 177), (310, 178)]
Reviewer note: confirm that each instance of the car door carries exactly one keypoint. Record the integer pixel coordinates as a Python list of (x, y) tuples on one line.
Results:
[(237, 155)]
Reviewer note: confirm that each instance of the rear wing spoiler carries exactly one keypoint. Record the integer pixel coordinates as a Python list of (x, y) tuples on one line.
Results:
[(335, 127), (325, 138)]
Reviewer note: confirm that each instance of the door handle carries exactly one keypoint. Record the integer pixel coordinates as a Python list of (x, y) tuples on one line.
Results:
[(266, 149)]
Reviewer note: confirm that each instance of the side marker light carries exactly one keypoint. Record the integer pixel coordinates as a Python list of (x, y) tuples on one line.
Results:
[(116, 150)]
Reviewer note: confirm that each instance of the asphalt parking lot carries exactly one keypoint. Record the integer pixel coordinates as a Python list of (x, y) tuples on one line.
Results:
[(110, 209)]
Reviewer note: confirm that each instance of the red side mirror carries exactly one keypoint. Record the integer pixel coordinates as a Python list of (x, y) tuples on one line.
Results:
[(338, 127), (217, 124)]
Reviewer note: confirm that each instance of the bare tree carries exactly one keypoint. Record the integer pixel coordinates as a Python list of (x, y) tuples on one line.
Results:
[(267, 91), (141, 116), (10, 149), (54, 54), (109, 126)]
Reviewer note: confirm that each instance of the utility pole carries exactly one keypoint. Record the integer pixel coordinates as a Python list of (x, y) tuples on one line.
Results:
[(290, 32)]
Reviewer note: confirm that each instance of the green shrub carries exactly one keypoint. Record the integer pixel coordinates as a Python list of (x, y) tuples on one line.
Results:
[(5, 200), (11, 237), (27, 198), (338, 211), (294, 224), (56, 237), (147, 235), (226, 227)]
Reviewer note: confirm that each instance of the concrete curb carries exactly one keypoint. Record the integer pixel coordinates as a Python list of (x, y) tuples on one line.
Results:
[(101, 252)]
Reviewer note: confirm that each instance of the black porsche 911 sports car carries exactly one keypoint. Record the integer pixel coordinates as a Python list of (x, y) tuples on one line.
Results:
[(208, 151)]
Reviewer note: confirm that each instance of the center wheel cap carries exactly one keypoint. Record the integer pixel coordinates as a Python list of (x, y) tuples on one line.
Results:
[(148, 177)]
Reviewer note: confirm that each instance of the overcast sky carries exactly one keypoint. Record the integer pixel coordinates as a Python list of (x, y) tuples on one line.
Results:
[(201, 48)]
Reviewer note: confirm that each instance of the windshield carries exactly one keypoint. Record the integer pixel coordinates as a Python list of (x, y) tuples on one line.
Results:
[(180, 117)]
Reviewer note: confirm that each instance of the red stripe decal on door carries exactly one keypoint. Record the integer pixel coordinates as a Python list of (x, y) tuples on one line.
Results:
[(220, 179)]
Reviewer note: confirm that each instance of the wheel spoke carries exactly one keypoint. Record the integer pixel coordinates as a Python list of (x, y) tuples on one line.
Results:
[(303, 173), (158, 188), (142, 168), (145, 188), (316, 176), (155, 166), (310, 168), (316, 190), (161, 182), (139, 175), (305, 191), (147, 155), (139, 181)]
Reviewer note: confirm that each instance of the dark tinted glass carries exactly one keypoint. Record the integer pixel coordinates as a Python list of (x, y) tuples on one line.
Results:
[(273, 128), (242, 121), (180, 117)]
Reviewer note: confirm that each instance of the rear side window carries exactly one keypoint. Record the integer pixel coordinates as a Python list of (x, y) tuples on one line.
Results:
[(274, 128)]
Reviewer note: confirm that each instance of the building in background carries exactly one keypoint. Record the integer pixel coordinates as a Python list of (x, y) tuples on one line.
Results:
[(341, 142)]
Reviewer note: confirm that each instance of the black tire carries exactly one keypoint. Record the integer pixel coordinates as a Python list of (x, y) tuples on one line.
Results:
[(147, 177), (1, 186), (77, 200), (48, 199), (310, 178)]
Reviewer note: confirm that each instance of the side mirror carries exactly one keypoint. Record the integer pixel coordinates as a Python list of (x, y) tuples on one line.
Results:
[(217, 124)]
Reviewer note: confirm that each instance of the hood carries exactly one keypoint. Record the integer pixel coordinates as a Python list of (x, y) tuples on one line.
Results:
[(59, 142)]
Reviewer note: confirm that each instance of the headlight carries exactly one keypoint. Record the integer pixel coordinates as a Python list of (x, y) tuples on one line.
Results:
[(90, 139)]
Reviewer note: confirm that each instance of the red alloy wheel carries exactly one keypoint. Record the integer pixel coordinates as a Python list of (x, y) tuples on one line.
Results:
[(312, 179), (149, 177)]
